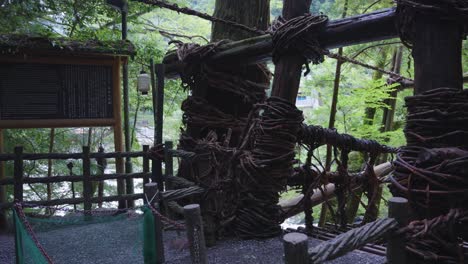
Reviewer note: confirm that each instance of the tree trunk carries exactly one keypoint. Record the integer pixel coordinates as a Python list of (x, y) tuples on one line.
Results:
[(252, 13)]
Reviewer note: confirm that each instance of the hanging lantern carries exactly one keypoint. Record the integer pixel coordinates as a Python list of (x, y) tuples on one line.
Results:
[(143, 83)]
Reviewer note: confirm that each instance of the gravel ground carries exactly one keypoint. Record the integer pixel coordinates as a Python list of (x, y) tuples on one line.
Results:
[(119, 242), (7, 249), (263, 252)]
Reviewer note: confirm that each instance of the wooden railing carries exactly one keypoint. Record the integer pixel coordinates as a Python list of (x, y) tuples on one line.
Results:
[(87, 198)]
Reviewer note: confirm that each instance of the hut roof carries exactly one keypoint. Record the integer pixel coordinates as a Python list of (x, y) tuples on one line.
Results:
[(17, 44)]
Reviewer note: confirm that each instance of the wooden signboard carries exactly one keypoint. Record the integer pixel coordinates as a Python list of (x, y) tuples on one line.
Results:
[(59, 92)]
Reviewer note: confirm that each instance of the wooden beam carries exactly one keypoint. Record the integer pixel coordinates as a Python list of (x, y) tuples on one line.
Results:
[(375, 26)]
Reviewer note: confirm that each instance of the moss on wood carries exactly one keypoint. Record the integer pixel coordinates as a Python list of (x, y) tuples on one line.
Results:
[(14, 44)]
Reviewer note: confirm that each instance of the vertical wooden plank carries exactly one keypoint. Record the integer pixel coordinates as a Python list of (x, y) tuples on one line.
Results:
[(87, 186), (157, 164), (152, 193), (102, 164), (398, 209), (70, 172), (146, 163), (295, 248), (195, 233), (437, 53), (168, 157), (118, 137), (126, 108), (18, 174), (3, 219), (154, 96)]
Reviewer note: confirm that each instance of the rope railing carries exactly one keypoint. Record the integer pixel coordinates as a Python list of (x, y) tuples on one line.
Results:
[(312, 135), (66, 156), (351, 240), (21, 215), (77, 178)]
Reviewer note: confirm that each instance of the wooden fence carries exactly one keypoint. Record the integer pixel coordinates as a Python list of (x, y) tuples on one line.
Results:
[(87, 198)]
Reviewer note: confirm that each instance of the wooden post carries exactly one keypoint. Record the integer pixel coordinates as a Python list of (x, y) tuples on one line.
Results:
[(289, 68), (70, 173), (126, 108), (3, 219), (87, 186), (151, 193), (146, 164), (168, 171), (398, 209), (195, 233), (157, 163), (18, 174), (437, 53), (295, 248), (102, 164), (118, 137), (169, 166), (19, 256)]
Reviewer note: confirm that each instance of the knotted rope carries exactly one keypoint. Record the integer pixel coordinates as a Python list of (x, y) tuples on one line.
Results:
[(294, 36)]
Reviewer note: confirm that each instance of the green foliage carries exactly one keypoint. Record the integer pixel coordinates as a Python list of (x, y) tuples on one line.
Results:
[(93, 19)]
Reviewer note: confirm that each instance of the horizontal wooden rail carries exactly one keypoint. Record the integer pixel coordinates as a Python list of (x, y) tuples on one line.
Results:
[(78, 178), (375, 26), (71, 201), (65, 156)]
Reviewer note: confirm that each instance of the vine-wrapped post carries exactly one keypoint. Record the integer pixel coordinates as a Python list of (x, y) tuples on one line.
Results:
[(195, 234), (295, 248), (398, 209), (151, 194)]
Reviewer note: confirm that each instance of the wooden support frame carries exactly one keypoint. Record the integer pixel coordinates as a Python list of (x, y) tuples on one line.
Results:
[(375, 26)]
